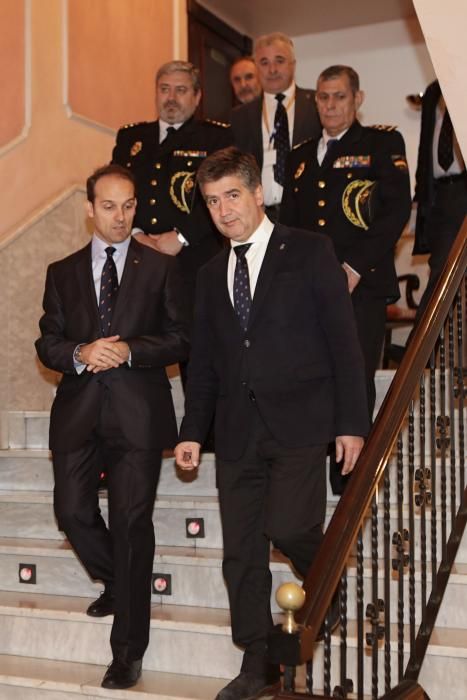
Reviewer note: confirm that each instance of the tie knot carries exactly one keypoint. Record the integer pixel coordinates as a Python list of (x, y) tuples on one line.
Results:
[(241, 250), (171, 130), (280, 97), (331, 143), (110, 250)]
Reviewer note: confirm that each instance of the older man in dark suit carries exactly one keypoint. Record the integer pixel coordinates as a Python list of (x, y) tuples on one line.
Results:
[(276, 356), (113, 319), (284, 116)]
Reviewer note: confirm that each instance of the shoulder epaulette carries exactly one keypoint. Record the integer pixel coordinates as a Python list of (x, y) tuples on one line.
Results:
[(215, 122), (302, 143), (130, 126), (382, 127)]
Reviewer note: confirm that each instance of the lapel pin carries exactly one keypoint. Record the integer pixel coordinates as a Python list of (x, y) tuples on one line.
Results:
[(136, 261), (282, 246)]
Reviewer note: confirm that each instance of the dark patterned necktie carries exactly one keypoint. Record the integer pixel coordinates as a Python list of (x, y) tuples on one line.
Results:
[(445, 149), (109, 291), (241, 286), (281, 139), (169, 133), (330, 144)]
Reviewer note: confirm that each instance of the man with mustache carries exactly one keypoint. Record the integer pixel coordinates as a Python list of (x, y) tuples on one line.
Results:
[(244, 79), (164, 156)]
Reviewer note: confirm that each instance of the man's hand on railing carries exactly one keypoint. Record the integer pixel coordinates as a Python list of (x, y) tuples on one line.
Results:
[(348, 448)]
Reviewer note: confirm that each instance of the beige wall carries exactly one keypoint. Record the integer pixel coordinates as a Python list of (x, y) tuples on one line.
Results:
[(110, 83), (444, 26), (80, 68)]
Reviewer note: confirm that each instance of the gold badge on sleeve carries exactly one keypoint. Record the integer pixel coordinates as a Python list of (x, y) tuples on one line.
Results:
[(358, 202), (181, 186)]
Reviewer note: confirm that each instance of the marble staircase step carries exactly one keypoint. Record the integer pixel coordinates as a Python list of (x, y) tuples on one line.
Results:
[(196, 578), (23, 678), (50, 627), (29, 514)]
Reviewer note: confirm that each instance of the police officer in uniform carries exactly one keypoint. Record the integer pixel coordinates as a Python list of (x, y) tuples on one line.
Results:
[(164, 156), (352, 184)]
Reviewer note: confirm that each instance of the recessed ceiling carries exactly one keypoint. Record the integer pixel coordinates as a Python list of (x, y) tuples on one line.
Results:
[(298, 17)]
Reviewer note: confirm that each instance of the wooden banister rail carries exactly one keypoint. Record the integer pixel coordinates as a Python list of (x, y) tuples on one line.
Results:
[(324, 575), (342, 533)]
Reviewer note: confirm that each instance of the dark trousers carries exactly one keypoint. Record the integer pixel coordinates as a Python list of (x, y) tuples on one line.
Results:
[(272, 494), (121, 555), (370, 318)]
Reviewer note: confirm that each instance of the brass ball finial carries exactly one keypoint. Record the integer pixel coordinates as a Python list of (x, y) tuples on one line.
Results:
[(290, 597)]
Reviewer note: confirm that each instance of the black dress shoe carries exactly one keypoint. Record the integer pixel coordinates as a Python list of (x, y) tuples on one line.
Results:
[(248, 686), (121, 674), (104, 605)]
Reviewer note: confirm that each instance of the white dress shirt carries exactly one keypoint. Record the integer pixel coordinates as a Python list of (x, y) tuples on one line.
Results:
[(254, 256), (98, 258), (272, 190)]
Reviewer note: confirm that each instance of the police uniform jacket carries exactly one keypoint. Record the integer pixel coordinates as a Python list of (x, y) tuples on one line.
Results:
[(165, 178), (323, 198)]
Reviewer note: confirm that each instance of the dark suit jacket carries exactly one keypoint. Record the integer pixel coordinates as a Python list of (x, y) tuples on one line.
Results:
[(424, 180), (300, 355), (247, 123), (149, 316), (165, 175), (313, 197)]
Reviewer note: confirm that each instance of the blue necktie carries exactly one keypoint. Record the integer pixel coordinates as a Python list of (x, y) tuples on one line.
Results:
[(281, 139), (241, 286), (109, 291)]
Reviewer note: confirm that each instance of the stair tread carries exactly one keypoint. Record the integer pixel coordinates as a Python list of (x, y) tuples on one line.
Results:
[(75, 677), (195, 555)]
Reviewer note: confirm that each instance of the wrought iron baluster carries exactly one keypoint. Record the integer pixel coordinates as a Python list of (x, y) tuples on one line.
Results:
[(411, 440), (399, 540), (309, 677), (387, 580), (422, 477), (434, 488), (343, 628), (461, 389), (360, 646), (442, 423), (327, 656), (376, 606), (451, 386)]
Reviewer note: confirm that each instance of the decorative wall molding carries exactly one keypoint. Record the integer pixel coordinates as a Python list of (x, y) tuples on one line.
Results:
[(27, 82)]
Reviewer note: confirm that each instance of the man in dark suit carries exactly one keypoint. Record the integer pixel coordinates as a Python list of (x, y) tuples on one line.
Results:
[(440, 187), (113, 319), (276, 356), (284, 116), (164, 156), (352, 185)]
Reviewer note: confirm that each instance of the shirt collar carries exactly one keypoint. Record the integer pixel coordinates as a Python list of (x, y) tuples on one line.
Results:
[(289, 93), (163, 126), (327, 137), (261, 235), (98, 246)]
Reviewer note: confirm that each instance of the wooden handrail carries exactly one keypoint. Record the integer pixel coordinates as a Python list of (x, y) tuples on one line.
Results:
[(407, 690), (325, 573)]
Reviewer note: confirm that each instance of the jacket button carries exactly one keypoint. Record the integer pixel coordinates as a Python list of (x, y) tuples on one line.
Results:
[(157, 166), (243, 383), (321, 222), (349, 176), (152, 202), (128, 165), (321, 203), (154, 221), (153, 183), (246, 343), (321, 184)]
